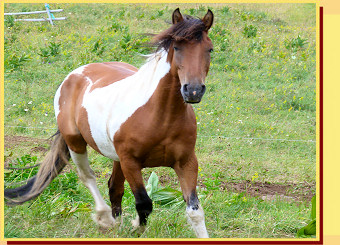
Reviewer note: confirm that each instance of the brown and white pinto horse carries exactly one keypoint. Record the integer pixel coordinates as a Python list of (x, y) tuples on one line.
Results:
[(139, 118)]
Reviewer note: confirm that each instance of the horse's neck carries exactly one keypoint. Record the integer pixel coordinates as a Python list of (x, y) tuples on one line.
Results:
[(155, 77), (167, 100)]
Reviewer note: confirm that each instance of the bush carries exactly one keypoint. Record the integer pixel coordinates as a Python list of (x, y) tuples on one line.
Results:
[(250, 31)]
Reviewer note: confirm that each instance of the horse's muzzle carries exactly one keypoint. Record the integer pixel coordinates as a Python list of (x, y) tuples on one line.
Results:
[(192, 93)]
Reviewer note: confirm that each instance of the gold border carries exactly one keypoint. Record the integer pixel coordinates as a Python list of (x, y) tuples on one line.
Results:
[(331, 125), (166, 1), (155, 239), (317, 75), (2, 114)]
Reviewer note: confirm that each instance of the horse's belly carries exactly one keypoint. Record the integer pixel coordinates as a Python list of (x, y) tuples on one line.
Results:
[(103, 144)]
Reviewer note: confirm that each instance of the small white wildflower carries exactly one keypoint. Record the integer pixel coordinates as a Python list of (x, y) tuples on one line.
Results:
[(25, 109), (14, 104), (41, 123), (30, 102), (46, 114), (293, 57)]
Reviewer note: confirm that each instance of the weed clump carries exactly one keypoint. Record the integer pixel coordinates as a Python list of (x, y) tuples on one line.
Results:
[(249, 31)]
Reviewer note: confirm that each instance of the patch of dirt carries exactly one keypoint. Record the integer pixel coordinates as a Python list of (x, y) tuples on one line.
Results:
[(265, 191), (12, 141), (34, 145), (39, 149), (271, 191)]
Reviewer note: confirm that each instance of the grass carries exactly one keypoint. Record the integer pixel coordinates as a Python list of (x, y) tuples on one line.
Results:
[(257, 120), (242, 217)]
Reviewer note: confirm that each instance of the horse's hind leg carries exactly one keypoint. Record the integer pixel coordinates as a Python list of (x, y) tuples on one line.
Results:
[(187, 173), (116, 189), (103, 211)]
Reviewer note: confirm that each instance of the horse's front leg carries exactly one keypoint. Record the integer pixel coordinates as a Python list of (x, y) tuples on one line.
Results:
[(132, 172), (187, 174)]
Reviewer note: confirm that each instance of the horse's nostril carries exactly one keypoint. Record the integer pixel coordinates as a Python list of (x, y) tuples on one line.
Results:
[(203, 88), (185, 88)]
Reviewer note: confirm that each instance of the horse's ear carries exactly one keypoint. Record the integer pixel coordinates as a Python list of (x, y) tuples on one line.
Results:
[(208, 19), (176, 16)]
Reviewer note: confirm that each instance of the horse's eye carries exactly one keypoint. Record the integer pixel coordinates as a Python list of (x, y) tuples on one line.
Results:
[(176, 49), (210, 50)]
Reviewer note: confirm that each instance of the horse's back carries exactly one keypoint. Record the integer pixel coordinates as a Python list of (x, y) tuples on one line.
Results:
[(101, 74), (104, 74)]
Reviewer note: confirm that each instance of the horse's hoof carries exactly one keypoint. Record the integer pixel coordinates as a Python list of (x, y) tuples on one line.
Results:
[(104, 219), (135, 222), (136, 227)]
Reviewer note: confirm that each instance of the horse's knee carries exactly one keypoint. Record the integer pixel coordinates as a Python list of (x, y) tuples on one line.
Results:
[(143, 205)]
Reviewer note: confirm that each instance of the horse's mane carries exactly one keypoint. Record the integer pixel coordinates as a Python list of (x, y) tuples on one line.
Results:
[(189, 29)]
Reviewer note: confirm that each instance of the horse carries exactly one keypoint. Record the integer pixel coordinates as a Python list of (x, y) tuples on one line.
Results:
[(139, 118)]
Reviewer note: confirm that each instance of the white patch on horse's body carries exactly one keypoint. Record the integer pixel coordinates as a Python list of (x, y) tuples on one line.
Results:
[(57, 103), (196, 219), (103, 215), (109, 107), (79, 71)]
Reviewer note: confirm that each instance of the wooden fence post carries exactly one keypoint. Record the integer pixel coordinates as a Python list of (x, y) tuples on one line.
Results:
[(48, 11)]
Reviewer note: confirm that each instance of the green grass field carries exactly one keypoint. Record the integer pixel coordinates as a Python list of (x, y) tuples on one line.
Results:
[(256, 122)]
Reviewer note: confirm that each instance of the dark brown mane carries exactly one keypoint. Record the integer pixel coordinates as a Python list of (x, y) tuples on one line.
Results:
[(189, 29)]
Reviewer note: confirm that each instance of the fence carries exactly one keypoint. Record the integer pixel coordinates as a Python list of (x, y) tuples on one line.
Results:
[(199, 136), (49, 12)]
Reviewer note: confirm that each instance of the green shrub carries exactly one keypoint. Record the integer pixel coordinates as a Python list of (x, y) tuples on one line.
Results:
[(9, 21), (249, 31), (295, 43), (14, 61)]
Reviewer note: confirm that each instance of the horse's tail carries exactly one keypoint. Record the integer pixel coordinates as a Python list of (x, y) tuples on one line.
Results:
[(55, 160)]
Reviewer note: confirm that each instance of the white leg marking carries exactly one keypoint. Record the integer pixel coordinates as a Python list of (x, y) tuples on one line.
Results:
[(103, 215), (135, 222), (196, 219), (136, 225)]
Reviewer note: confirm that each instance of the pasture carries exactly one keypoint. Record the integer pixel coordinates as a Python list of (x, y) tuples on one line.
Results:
[(256, 143)]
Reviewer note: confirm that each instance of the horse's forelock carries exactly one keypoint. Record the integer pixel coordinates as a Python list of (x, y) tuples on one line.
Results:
[(188, 29)]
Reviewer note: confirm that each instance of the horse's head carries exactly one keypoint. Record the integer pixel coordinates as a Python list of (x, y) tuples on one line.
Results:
[(189, 49)]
